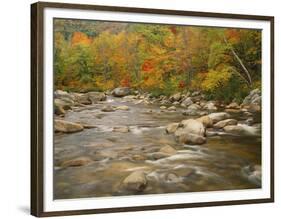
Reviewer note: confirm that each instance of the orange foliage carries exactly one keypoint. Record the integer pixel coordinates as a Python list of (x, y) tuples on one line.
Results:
[(233, 35), (173, 29), (126, 82), (80, 38)]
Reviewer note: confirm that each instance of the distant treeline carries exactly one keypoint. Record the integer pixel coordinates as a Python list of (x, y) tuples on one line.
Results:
[(224, 63)]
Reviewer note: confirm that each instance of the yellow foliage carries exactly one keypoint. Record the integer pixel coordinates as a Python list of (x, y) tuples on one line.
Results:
[(216, 79), (103, 84)]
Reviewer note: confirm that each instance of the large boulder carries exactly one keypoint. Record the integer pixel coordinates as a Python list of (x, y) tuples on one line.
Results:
[(136, 181), (188, 138), (223, 123), (67, 127), (206, 121), (191, 126), (253, 98), (96, 96), (172, 127), (121, 91), (216, 117)]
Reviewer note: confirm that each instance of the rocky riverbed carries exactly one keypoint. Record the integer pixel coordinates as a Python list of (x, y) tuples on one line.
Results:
[(125, 143)]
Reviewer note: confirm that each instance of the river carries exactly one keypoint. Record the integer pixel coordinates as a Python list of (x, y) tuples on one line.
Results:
[(216, 165)]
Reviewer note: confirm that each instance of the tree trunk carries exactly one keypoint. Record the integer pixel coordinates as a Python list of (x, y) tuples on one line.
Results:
[(249, 78)]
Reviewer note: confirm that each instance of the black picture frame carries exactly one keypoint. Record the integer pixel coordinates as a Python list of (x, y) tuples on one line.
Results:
[(37, 106)]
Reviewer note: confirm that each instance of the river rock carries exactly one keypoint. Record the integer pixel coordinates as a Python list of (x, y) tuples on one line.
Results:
[(223, 123), (206, 121), (122, 129), (157, 155), (233, 105), (80, 161), (242, 130), (186, 102), (136, 181), (194, 107), (191, 126), (216, 117), (124, 107), (59, 109), (195, 93), (253, 108), (168, 150), (210, 106), (121, 91), (67, 127), (172, 127), (163, 107), (83, 99), (253, 174), (63, 103), (107, 108), (188, 138), (172, 108), (96, 96), (190, 112), (175, 97), (253, 98)]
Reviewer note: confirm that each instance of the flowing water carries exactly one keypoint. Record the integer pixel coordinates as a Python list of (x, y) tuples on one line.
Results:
[(216, 165)]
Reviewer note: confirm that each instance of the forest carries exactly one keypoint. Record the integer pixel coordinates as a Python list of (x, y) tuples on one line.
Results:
[(223, 63)]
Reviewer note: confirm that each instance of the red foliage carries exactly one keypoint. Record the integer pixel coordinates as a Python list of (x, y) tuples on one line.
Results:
[(126, 82), (147, 65), (181, 84), (233, 34), (173, 29)]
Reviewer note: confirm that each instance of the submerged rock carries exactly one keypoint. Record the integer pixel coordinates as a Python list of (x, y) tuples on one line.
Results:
[(188, 138), (168, 150), (80, 161), (107, 108), (124, 107), (67, 127), (122, 129), (136, 181), (242, 130)]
